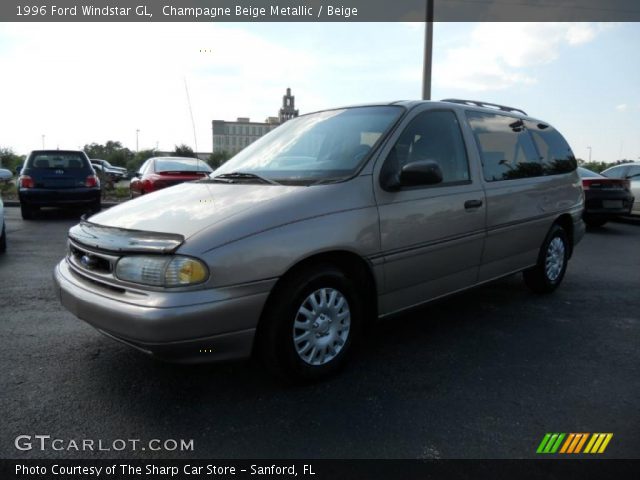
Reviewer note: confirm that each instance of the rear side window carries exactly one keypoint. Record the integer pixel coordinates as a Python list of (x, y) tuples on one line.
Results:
[(634, 172), (506, 148), (58, 160), (557, 156)]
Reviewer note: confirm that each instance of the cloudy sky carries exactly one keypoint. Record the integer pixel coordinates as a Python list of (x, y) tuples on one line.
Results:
[(92, 82)]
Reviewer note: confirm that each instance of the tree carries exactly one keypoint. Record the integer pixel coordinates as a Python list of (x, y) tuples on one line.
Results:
[(9, 159), (184, 151), (134, 164), (218, 158), (112, 152)]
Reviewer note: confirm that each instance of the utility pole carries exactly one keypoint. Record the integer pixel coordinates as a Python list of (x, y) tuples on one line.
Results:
[(589, 154), (428, 51), (137, 133)]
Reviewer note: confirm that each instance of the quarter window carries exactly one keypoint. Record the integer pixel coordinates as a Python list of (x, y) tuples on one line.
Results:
[(557, 156), (506, 149)]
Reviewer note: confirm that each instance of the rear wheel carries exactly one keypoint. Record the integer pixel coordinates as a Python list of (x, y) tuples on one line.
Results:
[(95, 207), (552, 262), (310, 325), (27, 211), (594, 221)]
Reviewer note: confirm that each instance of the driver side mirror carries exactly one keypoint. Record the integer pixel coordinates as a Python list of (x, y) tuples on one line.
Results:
[(420, 172)]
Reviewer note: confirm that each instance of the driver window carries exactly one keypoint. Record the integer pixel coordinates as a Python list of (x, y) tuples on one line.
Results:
[(433, 135)]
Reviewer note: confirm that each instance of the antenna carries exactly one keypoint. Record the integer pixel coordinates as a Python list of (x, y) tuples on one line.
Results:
[(193, 123)]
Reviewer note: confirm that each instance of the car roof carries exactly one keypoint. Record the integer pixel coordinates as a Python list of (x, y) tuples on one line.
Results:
[(628, 164), (53, 152), (449, 104)]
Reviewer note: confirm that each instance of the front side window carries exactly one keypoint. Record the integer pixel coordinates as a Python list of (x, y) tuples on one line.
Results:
[(432, 135), (323, 146), (506, 148)]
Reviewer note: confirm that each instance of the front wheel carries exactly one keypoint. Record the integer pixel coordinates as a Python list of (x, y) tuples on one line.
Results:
[(311, 324), (548, 273)]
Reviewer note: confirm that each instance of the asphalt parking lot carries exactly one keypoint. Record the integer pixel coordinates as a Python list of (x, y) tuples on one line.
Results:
[(484, 374)]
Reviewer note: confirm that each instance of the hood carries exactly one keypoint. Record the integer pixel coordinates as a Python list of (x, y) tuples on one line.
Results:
[(187, 208)]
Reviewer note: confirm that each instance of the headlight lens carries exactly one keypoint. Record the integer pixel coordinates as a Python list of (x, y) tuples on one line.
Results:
[(161, 271)]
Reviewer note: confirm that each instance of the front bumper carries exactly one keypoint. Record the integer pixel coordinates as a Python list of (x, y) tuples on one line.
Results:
[(165, 324)]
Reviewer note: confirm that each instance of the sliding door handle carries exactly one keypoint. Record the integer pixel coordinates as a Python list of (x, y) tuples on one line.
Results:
[(469, 204)]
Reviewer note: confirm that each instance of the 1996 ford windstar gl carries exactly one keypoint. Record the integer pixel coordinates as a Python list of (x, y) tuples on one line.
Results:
[(330, 220)]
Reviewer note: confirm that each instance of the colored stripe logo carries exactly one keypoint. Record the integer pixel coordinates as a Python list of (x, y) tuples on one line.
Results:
[(574, 443)]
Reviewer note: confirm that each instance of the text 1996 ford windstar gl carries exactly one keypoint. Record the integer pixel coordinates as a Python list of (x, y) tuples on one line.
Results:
[(330, 220)]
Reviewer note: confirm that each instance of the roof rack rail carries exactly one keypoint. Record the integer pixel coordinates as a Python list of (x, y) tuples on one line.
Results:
[(484, 104)]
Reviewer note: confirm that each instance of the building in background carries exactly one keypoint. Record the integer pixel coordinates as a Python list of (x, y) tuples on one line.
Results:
[(231, 137)]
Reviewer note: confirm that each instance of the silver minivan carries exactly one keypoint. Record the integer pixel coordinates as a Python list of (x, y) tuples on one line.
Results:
[(331, 220)]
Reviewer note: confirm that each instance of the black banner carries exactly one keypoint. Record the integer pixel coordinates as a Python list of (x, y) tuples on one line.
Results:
[(318, 469), (316, 10)]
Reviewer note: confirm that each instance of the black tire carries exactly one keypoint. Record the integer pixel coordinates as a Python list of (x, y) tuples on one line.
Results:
[(3, 239), (594, 222), (95, 207), (27, 212), (276, 345), (539, 278)]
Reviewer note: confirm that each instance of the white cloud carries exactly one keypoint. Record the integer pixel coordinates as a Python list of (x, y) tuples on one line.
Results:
[(499, 55), (86, 82), (622, 107)]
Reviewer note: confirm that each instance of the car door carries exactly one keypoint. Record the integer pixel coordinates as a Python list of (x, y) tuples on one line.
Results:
[(523, 195), (136, 182), (431, 236)]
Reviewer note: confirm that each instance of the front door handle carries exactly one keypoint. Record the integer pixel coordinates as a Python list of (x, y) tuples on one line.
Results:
[(469, 204)]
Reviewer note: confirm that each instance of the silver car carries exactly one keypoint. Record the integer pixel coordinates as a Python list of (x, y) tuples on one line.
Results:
[(631, 172), (329, 221)]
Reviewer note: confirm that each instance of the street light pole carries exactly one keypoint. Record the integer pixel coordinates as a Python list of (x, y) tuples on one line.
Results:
[(589, 154), (428, 51)]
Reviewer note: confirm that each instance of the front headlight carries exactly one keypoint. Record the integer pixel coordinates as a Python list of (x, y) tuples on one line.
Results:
[(161, 271)]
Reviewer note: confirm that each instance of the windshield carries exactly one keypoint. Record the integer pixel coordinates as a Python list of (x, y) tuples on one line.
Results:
[(328, 145), (180, 165)]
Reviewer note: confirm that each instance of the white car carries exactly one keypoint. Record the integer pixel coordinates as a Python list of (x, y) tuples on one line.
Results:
[(5, 175), (631, 172)]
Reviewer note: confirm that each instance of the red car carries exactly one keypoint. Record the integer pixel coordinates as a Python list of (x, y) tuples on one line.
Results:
[(161, 172)]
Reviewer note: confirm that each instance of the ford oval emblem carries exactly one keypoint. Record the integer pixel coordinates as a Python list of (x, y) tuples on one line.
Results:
[(88, 261)]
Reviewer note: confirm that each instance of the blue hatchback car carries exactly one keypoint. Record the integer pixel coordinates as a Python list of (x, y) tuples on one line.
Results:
[(58, 178)]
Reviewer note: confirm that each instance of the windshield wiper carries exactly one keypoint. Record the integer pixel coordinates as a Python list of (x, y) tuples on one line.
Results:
[(244, 176), (327, 181)]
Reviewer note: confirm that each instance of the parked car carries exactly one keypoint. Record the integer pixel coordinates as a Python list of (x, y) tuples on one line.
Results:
[(605, 198), (631, 172), (162, 172), (57, 178), (118, 173), (5, 176), (328, 221), (107, 178)]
